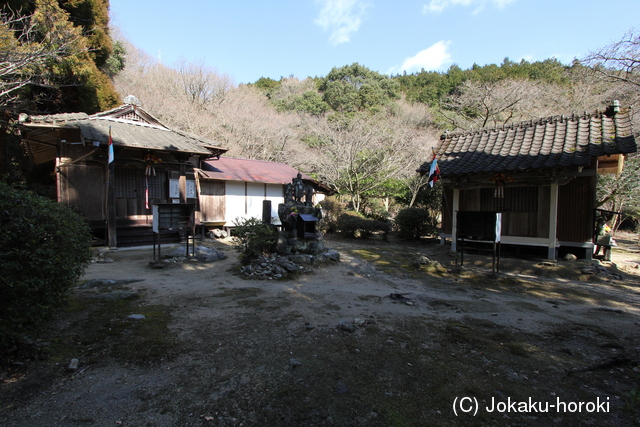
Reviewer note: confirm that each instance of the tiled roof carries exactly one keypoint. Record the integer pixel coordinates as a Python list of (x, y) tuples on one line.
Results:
[(58, 118), (140, 135), (231, 169), (137, 133), (547, 143)]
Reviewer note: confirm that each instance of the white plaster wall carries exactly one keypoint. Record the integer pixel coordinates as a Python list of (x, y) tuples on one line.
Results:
[(240, 206), (234, 204), (255, 196)]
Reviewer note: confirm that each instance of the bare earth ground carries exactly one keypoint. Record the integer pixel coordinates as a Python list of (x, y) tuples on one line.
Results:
[(217, 350)]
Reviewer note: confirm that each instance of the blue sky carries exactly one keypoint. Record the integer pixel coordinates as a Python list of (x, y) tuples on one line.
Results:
[(249, 39)]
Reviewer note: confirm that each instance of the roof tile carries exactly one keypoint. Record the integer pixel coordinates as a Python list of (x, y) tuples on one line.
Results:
[(547, 143)]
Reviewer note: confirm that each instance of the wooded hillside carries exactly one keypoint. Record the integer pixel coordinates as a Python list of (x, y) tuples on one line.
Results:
[(362, 132)]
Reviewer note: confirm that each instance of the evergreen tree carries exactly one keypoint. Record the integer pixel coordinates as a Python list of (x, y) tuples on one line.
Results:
[(74, 46), (356, 88)]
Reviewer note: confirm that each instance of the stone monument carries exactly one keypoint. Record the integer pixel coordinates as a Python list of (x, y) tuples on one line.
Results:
[(299, 218)]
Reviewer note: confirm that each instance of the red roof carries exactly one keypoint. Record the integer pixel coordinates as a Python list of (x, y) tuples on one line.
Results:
[(230, 169)]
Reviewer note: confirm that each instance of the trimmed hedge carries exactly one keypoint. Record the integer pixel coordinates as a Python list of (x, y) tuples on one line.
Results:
[(44, 248), (413, 223), (353, 224)]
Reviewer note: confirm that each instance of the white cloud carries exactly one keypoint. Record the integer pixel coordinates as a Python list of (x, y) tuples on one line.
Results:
[(341, 17), (437, 6), (432, 58)]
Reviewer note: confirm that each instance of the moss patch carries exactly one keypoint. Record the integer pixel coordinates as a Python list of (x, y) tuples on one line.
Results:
[(101, 329)]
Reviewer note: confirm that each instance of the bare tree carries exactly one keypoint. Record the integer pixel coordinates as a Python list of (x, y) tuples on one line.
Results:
[(197, 99), (617, 67), (619, 61), (251, 127), (359, 156), (482, 104), (203, 86)]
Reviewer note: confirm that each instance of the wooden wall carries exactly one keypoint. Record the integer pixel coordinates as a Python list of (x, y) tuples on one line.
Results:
[(447, 210), (82, 187), (212, 200), (576, 205), (525, 210)]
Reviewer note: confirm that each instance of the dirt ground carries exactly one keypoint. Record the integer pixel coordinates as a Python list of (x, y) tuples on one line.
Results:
[(374, 340)]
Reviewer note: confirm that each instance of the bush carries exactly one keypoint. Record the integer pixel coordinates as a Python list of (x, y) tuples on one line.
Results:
[(44, 248), (353, 224), (331, 211), (413, 223), (252, 238)]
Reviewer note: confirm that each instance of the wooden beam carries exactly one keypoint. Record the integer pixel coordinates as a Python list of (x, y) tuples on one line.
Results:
[(553, 221), (454, 221)]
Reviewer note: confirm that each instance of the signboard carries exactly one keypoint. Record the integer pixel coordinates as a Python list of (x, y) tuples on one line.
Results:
[(174, 189), (191, 189), (172, 216), (479, 225)]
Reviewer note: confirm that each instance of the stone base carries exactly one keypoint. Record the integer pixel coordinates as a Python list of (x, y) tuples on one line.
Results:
[(288, 244), (277, 267)]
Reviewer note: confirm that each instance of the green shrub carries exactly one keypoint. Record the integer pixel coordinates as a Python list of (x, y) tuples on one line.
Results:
[(44, 248), (414, 222), (331, 211), (353, 224), (253, 238)]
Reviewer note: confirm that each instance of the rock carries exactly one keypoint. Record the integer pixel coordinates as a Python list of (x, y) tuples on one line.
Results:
[(97, 283), (204, 254), (429, 265), (612, 310), (217, 233), (345, 325), (294, 363), (301, 259), (73, 365), (104, 283), (332, 255), (341, 388), (423, 260), (116, 295), (136, 317)]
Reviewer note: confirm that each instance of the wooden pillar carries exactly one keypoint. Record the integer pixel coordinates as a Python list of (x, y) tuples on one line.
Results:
[(111, 210), (182, 183), (553, 220), (454, 220)]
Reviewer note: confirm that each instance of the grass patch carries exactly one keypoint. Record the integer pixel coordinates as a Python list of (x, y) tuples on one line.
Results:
[(398, 262)]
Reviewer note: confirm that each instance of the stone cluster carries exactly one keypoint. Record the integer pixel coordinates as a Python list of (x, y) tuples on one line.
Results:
[(270, 268), (274, 266), (600, 271)]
